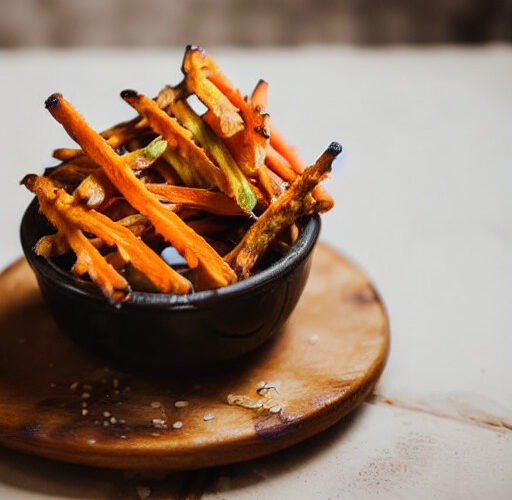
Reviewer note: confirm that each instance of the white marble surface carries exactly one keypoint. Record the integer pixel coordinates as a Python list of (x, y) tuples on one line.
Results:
[(424, 204)]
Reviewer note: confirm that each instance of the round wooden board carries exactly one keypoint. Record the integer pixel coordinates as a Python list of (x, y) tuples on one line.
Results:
[(326, 361)]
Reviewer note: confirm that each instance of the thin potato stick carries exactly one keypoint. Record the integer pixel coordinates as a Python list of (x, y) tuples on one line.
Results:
[(179, 138), (280, 214), (115, 136), (112, 284), (196, 67), (211, 269), (280, 166), (96, 188), (213, 202), (238, 186), (133, 250)]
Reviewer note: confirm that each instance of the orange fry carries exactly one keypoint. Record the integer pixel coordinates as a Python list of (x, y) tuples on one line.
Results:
[(112, 284), (280, 214), (259, 96), (178, 138), (212, 271), (213, 202), (197, 66)]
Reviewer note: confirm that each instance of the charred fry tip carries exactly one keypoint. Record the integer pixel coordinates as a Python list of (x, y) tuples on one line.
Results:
[(129, 94), (190, 48), (334, 149), (52, 101), (28, 181), (262, 131)]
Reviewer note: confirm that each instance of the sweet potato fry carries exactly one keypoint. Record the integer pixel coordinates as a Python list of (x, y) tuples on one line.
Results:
[(115, 136), (111, 233), (181, 148), (280, 214), (113, 285), (212, 271), (96, 188), (237, 186), (197, 66), (282, 168), (213, 202)]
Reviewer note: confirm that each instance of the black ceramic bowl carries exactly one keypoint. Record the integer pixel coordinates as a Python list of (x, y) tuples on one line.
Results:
[(161, 331)]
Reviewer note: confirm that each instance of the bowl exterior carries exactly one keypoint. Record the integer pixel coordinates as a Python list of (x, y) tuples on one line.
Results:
[(144, 335)]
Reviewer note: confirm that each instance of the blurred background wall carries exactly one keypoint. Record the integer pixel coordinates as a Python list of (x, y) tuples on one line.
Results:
[(29, 23)]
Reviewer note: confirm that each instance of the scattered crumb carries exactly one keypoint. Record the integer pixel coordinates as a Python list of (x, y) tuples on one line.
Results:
[(84, 404), (313, 339), (159, 423), (84, 412), (122, 421), (156, 434), (106, 414), (180, 404), (85, 395), (91, 441), (156, 404), (143, 492), (73, 386), (177, 425), (208, 416), (113, 420), (123, 436), (106, 423)]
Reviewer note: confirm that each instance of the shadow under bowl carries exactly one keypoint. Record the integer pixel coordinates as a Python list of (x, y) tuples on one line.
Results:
[(157, 332)]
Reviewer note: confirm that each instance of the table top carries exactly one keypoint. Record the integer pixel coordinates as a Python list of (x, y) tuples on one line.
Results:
[(423, 203)]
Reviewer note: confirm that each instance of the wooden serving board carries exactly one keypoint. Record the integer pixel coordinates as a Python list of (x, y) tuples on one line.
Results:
[(59, 402)]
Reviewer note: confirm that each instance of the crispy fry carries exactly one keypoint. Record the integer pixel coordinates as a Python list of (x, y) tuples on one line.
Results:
[(113, 285), (128, 245), (115, 136), (197, 67), (236, 185), (280, 166), (280, 214), (213, 202), (181, 149), (95, 188), (212, 271)]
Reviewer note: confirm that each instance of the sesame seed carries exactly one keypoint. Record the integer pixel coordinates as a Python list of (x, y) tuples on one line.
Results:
[(123, 436), (156, 404), (177, 425), (84, 404), (91, 441), (180, 404), (113, 420), (106, 423), (143, 492), (85, 412), (106, 414), (73, 386), (156, 434), (87, 387), (122, 421), (275, 409), (85, 395), (208, 416), (313, 339)]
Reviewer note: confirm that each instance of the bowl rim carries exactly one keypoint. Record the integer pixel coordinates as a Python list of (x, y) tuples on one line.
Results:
[(305, 243)]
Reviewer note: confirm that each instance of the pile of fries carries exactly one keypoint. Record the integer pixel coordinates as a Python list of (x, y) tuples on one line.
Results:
[(222, 188)]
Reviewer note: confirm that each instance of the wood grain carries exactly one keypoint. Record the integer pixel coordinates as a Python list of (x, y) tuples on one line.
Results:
[(326, 361)]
